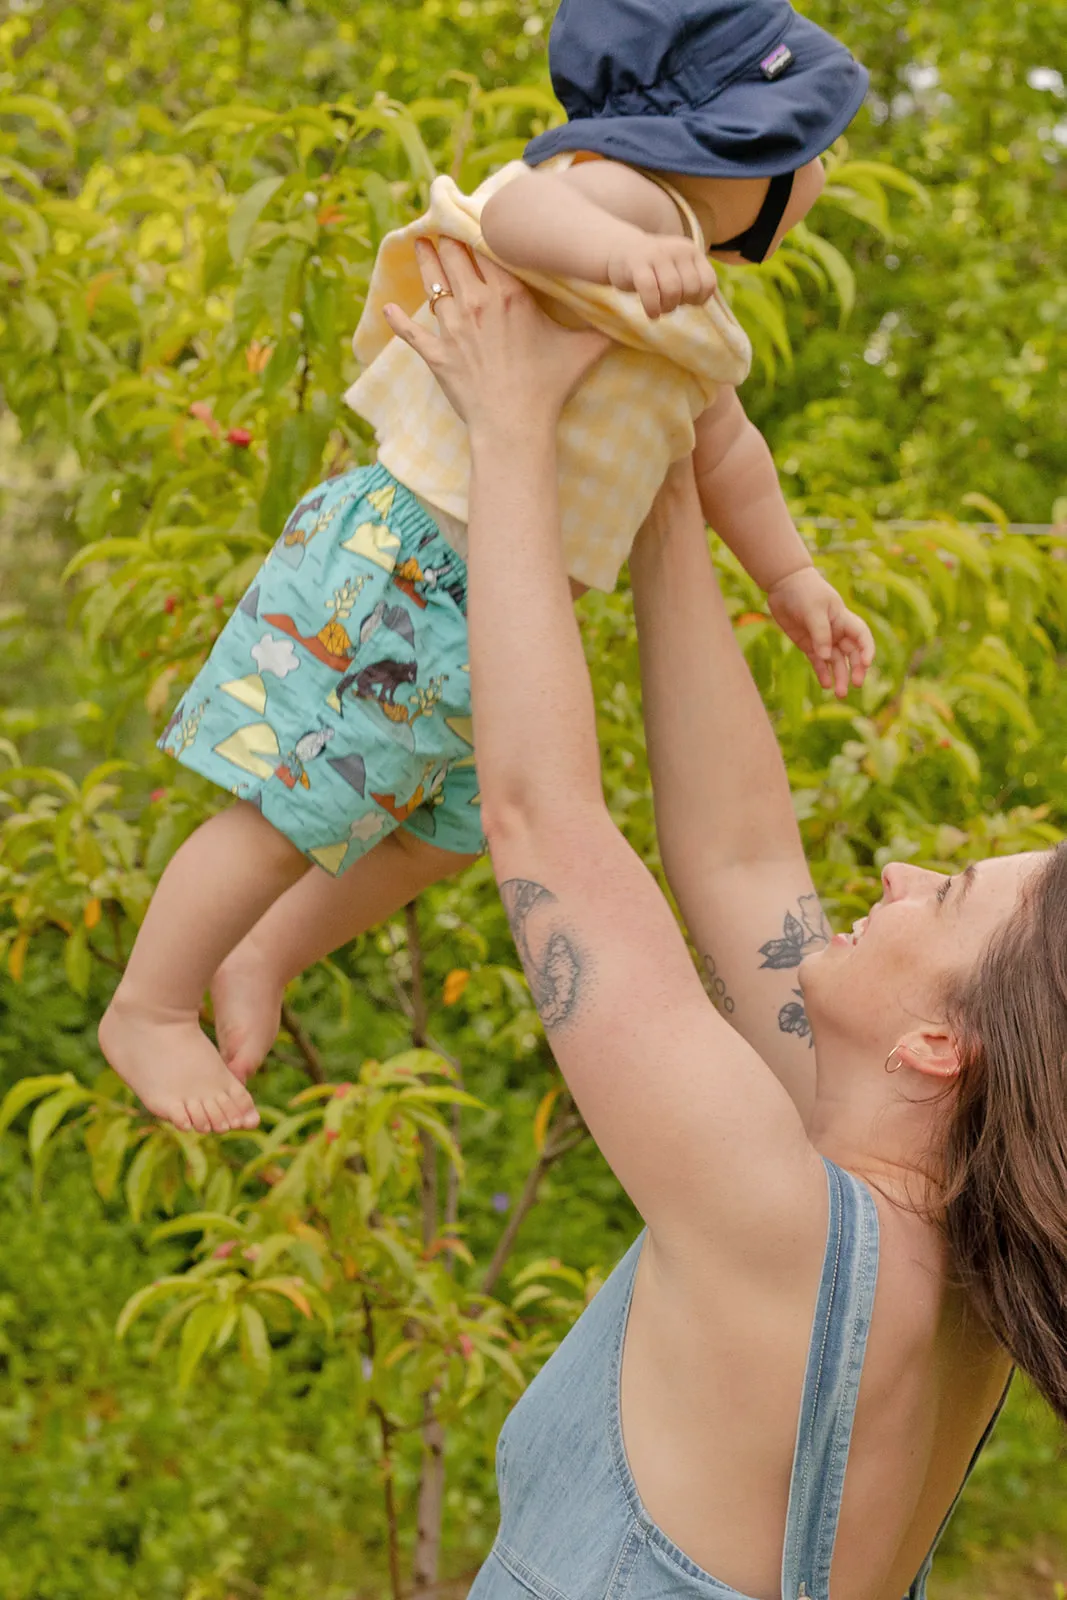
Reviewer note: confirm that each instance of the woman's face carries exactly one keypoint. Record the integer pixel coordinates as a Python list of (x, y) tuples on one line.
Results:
[(888, 976)]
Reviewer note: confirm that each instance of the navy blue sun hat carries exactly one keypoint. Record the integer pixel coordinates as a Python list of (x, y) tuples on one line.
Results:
[(705, 88)]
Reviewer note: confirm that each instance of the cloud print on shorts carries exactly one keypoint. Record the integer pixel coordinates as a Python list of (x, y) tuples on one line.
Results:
[(276, 656)]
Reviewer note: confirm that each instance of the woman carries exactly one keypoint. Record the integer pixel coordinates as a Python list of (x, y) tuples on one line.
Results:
[(863, 1235)]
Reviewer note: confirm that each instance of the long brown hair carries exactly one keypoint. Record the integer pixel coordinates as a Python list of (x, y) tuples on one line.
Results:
[(1004, 1162)]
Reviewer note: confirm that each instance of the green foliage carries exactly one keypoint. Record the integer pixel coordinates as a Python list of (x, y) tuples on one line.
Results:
[(190, 199)]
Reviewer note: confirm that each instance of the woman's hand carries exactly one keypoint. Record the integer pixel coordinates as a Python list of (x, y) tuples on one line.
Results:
[(500, 360)]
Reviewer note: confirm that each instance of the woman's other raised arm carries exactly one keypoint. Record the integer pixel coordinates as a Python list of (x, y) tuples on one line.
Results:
[(728, 836), (701, 1135)]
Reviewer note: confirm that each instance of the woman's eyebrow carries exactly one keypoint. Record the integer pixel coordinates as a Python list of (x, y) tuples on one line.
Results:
[(966, 882)]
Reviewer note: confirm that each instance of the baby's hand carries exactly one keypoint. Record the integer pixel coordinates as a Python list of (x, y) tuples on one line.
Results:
[(665, 271), (839, 645)]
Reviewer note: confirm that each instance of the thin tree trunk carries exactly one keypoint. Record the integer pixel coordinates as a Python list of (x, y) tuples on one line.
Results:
[(429, 1523), (392, 1520)]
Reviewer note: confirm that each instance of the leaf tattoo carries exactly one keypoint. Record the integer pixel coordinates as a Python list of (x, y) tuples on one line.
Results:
[(555, 972), (800, 936)]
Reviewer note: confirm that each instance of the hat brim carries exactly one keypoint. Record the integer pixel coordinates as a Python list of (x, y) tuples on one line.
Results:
[(751, 129)]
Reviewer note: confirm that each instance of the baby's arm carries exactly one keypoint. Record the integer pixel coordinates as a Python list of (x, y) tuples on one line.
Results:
[(742, 499), (602, 222), (741, 496)]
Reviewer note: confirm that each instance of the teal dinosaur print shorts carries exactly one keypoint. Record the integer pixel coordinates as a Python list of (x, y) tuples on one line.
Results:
[(337, 697)]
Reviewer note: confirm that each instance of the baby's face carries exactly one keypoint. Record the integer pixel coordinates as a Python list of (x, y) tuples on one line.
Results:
[(725, 207)]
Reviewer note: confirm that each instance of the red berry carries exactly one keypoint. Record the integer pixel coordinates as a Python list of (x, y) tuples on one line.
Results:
[(157, 795), (239, 437), (218, 602), (332, 1135), (170, 604)]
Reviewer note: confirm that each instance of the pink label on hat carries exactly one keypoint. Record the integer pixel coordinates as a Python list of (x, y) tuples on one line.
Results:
[(774, 65)]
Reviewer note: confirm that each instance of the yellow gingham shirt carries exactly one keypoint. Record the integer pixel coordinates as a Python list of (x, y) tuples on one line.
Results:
[(619, 433)]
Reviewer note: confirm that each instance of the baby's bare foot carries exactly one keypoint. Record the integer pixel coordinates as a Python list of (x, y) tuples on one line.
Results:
[(174, 1069), (248, 1010)]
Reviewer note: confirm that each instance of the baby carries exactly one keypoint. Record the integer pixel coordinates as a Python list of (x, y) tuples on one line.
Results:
[(335, 705)]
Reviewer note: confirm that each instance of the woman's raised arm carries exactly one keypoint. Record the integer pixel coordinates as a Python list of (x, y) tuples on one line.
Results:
[(728, 835), (698, 1130)]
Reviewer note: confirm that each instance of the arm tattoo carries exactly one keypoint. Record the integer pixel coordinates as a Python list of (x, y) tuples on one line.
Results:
[(716, 988), (800, 936), (555, 973)]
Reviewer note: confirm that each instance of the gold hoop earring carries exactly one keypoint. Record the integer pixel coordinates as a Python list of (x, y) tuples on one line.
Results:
[(889, 1058)]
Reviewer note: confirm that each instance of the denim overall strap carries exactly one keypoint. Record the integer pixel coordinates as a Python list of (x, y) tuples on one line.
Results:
[(918, 1588), (831, 1386)]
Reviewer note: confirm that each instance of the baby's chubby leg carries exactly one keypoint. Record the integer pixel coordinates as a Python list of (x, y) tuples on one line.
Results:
[(215, 888), (316, 917)]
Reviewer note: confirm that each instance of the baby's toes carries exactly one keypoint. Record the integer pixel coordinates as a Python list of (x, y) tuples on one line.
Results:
[(179, 1117), (241, 1108), (198, 1115), (217, 1111)]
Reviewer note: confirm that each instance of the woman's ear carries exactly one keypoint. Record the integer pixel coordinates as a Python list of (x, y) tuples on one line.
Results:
[(932, 1051)]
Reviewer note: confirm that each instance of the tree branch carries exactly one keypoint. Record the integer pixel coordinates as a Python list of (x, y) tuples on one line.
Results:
[(312, 1060), (565, 1135)]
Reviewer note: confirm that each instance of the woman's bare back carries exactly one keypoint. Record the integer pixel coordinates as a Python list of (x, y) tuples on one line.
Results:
[(713, 1372)]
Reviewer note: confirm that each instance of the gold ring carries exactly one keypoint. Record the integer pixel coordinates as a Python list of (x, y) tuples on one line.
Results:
[(438, 291)]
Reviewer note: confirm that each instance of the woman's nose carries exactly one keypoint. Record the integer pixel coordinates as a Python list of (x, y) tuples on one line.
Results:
[(900, 879)]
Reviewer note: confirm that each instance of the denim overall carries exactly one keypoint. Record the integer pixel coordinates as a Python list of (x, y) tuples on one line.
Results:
[(572, 1523)]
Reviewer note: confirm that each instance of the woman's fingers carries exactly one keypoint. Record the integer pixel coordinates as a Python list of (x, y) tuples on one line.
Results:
[(431, 270), (421, 340), (461, 273)]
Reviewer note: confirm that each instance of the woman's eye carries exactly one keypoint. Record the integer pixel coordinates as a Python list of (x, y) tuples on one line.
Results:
[(943, 891)]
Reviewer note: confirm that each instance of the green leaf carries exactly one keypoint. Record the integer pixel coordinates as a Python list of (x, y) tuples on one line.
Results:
[(996, 692), (174, 1283), (50, 1113), (989, 508), (77, 963), (108, 1155), (10, 168), (43, 321), (833, 263), (247, 212), (44, 112), (198, 1222), (153, 1151), (196, 1162), (199, 1329), (280, 282), (27, 1090), (295, 454), (240, 116), (880, 172), (255, 1345), (907, 590), (440, 1094), (227, 1326)]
